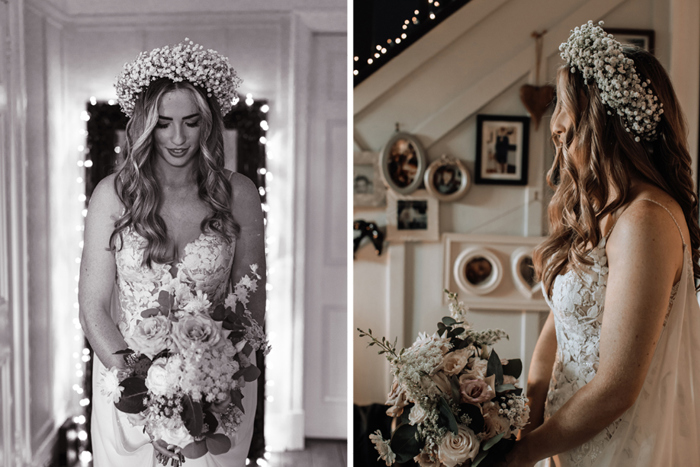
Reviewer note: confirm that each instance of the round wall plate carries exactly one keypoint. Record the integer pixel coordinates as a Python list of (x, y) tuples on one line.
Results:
[(478, 271)]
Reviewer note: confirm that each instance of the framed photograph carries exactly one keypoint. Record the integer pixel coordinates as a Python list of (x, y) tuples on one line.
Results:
[(367, 187), (642, 38), (412, 218), (447, 179), (501, 149), (402, 163)]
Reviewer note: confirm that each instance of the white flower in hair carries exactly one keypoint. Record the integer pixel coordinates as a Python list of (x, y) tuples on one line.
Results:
[(187, 61), (599, 57)]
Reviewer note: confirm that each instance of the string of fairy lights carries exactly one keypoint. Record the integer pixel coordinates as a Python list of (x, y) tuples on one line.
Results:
[(377, 51), (77, 434)]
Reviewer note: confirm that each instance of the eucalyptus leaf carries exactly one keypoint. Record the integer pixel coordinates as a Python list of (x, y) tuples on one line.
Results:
[(446, 411), (454, 384), (514, 368), (490, 443), (494, 368), (405, 443), (449, 321), (479, 458), (477, 424), (133, 394), (504, 387)]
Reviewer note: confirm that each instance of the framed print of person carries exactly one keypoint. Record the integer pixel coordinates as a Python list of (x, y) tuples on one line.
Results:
[(367, 187), (402, 163), (412, 217), (502, 149), (447, 178)]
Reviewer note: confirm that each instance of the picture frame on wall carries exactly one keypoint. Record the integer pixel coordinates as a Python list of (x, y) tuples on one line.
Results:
[(402, 163), (447, 178), (642, 38), (502, 143), (412, 218), (367, 187)]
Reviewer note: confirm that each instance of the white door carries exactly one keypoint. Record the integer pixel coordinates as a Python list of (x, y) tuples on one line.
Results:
[(325, 318)]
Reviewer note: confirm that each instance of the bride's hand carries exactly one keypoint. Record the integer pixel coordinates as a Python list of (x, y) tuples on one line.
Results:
[(167, 453)]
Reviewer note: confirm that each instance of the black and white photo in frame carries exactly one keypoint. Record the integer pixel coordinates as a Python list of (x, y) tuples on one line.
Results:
[(412, 217), (447, 178)]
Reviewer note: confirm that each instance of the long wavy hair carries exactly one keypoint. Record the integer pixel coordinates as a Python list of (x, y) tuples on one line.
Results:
[(139, 190), (593, 169)]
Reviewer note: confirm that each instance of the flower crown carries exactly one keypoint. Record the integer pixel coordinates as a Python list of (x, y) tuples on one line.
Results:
[(185, 61), (598, 56)]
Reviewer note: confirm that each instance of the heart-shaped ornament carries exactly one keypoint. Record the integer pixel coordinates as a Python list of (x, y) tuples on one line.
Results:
[(536, 99)]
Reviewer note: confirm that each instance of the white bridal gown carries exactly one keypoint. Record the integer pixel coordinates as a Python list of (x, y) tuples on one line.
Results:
[(207, 266), (662, 427)]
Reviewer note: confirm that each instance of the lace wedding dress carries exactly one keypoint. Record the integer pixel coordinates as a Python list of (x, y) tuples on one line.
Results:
[(206, 266), (662, 427)]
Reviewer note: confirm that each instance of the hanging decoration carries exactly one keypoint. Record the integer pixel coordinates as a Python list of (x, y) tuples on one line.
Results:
[(537, 98)]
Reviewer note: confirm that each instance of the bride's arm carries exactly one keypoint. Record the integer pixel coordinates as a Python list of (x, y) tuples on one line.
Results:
[(645, 257), (97, 273), (540, 374), (250, 244)]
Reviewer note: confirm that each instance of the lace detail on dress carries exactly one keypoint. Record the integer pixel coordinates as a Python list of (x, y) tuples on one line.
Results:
[(577, 303), (205, 265)]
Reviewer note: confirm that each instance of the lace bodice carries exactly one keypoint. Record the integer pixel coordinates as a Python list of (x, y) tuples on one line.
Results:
[(577, 303), (205, 265)]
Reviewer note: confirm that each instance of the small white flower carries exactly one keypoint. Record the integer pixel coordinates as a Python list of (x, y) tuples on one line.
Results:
[(382, 447), (110, 385)]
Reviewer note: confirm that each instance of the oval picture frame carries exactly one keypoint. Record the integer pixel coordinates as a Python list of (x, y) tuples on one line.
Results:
[(443, 187), (477, 253), (523, 281), (402, 163)]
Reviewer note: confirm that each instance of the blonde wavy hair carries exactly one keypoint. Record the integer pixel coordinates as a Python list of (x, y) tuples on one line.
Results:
[(596, 180), (138, 188)]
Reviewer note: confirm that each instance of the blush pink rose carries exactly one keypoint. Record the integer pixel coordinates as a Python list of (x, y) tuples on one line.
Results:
[(397, 400), (475, 391), (150, 336)]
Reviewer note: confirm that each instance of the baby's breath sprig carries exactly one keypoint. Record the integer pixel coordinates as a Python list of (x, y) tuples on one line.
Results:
[(388, 348)]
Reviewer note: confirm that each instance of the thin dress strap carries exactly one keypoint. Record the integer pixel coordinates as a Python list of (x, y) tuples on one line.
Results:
[(651, 201)]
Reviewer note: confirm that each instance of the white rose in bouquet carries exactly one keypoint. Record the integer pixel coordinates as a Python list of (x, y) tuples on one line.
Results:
[(198, 331), (454, 362), (456, 449), (157, 378)]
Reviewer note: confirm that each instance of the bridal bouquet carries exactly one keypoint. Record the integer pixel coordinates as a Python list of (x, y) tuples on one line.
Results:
[(454, 400), (188, 361)]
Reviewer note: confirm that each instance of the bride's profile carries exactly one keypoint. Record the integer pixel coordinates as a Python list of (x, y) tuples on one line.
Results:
[(170, 213), (617, 365)]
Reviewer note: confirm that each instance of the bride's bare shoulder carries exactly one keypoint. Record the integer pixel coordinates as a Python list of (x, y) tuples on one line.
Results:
[(244, 193), (104, 198)]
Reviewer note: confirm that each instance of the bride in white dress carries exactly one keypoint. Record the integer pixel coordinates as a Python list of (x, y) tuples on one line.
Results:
[(616, 370), (171, 208)]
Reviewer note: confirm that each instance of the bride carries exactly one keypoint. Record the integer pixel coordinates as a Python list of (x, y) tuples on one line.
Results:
[(616, 370), (171, 208)]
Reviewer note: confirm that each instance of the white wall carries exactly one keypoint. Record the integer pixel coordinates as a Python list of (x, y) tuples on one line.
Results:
[(473, 63)]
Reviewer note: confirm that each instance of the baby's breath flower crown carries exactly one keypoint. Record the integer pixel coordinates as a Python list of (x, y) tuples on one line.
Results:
[(185, 61), (598, 56)]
